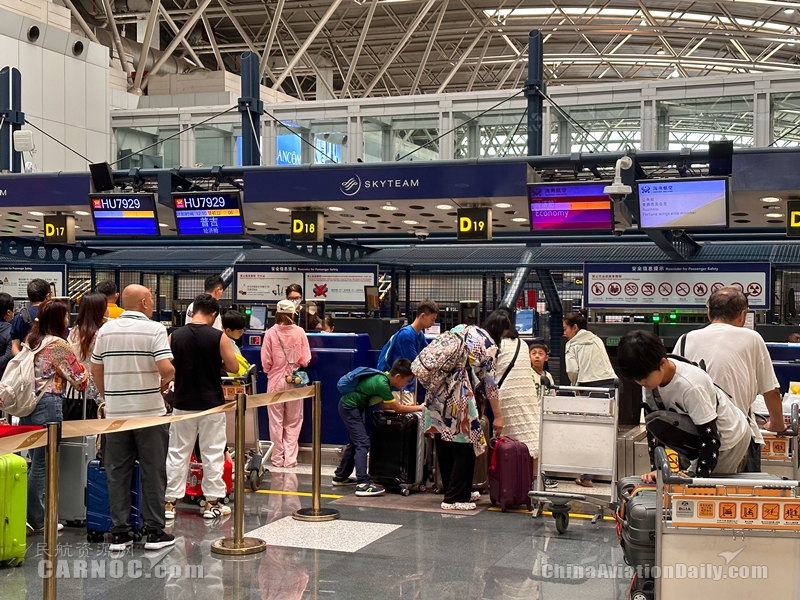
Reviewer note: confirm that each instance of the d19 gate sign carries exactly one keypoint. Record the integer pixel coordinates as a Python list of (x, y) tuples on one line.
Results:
[(671, 285)]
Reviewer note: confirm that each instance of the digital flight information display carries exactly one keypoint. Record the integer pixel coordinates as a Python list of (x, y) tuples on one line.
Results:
[(688, 203), (124, 214), (208, 213), (572, 206)]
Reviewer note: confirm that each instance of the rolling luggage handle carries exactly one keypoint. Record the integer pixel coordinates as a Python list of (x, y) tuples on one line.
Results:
[(247, 374), (582, 388), (791, 430)]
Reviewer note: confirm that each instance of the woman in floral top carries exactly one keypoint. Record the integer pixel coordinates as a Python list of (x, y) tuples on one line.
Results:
[(54, 365), (453, 413)]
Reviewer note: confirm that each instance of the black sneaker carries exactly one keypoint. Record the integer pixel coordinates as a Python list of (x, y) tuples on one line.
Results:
[(157, 539), (120, 541), (337, 481), (369, 489), (550, 483)]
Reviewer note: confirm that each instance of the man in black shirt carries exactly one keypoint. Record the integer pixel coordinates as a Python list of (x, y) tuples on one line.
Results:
[(199, 350)]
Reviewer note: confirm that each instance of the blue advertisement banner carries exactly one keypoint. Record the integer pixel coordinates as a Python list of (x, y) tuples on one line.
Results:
[(672, 285), (44, 190), (416, 181), (288, 150), (333, 284)]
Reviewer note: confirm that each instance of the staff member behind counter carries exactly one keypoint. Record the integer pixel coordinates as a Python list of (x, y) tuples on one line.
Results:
[(586, 361), (305, 318)]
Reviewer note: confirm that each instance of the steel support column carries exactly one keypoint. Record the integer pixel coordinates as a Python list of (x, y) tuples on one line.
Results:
[(251, 107), (518, 281), (112, 27), (273, 30), (152, 20), (554, 306), (11, 118), (360, 45), (534, 87)]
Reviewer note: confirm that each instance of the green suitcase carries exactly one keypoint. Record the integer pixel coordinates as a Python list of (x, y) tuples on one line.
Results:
[(13, 508)]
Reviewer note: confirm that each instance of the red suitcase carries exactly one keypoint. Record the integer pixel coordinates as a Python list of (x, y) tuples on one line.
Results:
[(510, 473), (194, 483)]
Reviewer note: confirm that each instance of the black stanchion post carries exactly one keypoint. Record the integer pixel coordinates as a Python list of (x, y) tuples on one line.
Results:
[(239, 545), (51, 510), (316, 512)]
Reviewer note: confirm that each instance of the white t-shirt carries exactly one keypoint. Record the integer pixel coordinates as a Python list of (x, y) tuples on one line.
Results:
[(737, 360), (217, 321), (691, 391)]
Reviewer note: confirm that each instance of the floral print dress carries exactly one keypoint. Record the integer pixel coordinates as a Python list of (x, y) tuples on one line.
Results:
[(453, 409)]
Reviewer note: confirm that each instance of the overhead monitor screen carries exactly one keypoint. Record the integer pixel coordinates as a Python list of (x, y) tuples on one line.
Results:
[(683, 203), (573, 206), (208, 213), (124, 214)]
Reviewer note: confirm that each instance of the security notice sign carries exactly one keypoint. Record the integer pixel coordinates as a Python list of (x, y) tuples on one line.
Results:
[(338, 284), (14, 279), (670, 285)]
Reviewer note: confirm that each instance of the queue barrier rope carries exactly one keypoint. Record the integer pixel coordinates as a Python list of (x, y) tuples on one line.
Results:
[(71, 429)]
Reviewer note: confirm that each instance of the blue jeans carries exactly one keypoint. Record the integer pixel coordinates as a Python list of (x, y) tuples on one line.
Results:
[(355, 453), (47, 411)]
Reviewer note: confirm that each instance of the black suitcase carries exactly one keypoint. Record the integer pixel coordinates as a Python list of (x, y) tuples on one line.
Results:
[(397, 451), (637, 522)]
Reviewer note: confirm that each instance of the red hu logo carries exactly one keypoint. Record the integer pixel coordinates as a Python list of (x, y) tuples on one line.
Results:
[(97, 203), (179, 203)]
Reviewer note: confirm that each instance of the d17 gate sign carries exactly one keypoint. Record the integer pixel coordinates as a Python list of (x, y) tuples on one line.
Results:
[(670, 285)]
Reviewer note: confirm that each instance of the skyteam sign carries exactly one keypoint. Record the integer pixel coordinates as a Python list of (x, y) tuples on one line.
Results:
[(402, 182)]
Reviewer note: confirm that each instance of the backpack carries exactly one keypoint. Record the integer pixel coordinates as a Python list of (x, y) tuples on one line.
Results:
[(18, 396), (386, 352), (347, 383), (439, 358)]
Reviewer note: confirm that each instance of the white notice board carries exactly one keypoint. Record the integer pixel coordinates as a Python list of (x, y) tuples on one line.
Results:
[(14, 279)]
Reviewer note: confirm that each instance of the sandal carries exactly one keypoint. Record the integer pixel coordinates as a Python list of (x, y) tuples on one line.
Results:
[(458, 506)]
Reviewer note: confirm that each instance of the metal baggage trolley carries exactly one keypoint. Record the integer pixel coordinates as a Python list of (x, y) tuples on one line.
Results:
[(577, 435), (258, 450), (736, 536), (779, 454)]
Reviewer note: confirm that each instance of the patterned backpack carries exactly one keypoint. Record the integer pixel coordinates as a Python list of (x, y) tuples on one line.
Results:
[(439, 358)]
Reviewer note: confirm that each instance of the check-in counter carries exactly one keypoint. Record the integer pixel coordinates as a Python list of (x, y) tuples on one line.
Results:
[(332, 355)]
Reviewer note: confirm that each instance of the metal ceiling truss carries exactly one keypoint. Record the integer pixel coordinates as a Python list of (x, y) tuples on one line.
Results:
[(403, 47)]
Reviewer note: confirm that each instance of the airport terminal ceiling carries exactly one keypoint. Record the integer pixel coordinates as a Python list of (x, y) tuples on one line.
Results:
[(379, 48)]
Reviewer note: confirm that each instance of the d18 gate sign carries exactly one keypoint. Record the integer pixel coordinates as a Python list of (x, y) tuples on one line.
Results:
[(670, 285)]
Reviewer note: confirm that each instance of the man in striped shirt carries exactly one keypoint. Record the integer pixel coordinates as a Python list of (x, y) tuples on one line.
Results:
[(132, 364)]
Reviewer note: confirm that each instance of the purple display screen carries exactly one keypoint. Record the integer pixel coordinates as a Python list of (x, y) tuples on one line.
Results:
[(570, 207)]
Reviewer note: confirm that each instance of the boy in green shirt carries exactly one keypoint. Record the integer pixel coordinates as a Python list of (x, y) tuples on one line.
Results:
[(370, 390)]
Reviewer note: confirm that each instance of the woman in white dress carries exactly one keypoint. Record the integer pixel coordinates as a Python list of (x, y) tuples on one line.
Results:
[(518, 398)]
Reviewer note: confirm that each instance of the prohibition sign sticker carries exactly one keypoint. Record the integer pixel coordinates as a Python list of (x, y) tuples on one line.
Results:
[(716, 286), (598, 289), (739, 285), (631, 289), (648, 289), (614, 288), (754, 289), (700, 289), (682, 289), (665, 289)]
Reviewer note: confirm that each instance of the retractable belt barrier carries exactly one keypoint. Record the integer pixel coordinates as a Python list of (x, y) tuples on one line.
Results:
[(52, 433)]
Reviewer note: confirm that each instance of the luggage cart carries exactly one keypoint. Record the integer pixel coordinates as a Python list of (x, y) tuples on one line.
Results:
[(779, 454), (577, 434), (741, 534), (258, 450)]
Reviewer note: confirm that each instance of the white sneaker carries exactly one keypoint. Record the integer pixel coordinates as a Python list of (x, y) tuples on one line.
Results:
[(474, 496), (214, 510), (32, 531), (169, 511)]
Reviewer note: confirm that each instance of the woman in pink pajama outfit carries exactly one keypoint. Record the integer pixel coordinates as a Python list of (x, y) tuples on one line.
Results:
[(285, 348)]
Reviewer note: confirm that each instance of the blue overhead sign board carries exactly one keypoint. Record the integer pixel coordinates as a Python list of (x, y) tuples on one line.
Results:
[(124, 214), (416, 181), (672, 285), (44, 190), (208, 213)]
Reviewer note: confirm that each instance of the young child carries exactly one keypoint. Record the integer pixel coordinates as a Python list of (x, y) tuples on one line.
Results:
[(233, 324), (327, 324), (370, 390), (539, 353), (724, 433)]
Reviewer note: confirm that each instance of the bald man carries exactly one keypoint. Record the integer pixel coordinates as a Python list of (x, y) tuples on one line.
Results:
[(132, 365)]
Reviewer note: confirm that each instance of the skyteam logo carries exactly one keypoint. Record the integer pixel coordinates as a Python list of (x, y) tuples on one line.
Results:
[(352, 186)]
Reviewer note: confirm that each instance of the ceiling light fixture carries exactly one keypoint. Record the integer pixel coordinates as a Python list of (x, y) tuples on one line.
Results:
[(35, 227), (36, 213), (770, 199), (774, 215), (503, 205), (444, 207), (520, 220), (283, 210), (259, 223), (389, 207), (788, 11), (358, 222), (411, 222), (335, 208), (82, 213), (163, 225)]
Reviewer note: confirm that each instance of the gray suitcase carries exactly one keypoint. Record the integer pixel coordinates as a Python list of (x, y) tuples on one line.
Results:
[(74, 457)]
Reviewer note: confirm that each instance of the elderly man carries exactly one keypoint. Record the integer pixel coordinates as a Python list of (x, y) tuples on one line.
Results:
[(737, 360), (132, 364)]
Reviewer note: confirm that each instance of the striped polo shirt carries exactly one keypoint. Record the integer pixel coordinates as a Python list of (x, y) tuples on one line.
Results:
[(128, 348)]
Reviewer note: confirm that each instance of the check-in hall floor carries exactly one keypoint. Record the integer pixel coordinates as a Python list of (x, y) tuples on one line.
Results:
[(370, 553)]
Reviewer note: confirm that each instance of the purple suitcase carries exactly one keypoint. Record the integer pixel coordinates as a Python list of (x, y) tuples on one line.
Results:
[(510, 473)]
